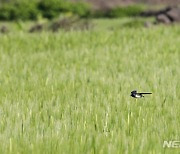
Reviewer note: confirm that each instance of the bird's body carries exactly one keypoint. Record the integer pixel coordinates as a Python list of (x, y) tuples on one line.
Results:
[(135, 94)]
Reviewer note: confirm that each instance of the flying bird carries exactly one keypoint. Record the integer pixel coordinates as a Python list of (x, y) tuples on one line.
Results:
[(135, 94)]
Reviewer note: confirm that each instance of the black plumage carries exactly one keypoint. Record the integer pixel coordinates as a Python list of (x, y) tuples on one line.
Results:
[(135, 94)]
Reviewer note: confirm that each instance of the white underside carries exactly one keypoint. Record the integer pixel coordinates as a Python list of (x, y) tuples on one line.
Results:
[(138, 96)]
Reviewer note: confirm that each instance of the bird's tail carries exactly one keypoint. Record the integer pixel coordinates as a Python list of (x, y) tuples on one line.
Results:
[(145, 93)]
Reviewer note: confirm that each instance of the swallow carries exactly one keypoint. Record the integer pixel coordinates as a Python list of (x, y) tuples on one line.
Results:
[(135, 94)]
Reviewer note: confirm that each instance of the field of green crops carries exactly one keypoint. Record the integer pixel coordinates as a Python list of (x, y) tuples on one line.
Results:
[(69, 92)]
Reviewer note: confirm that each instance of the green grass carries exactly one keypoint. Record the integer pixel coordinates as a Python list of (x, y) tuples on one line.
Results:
[(69, 92)]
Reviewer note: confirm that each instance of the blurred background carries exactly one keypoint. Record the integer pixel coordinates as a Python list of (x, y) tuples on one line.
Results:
[(75, 14), (113, 3)]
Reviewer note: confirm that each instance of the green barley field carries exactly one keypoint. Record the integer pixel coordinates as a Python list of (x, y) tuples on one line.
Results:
[(69, 92)]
